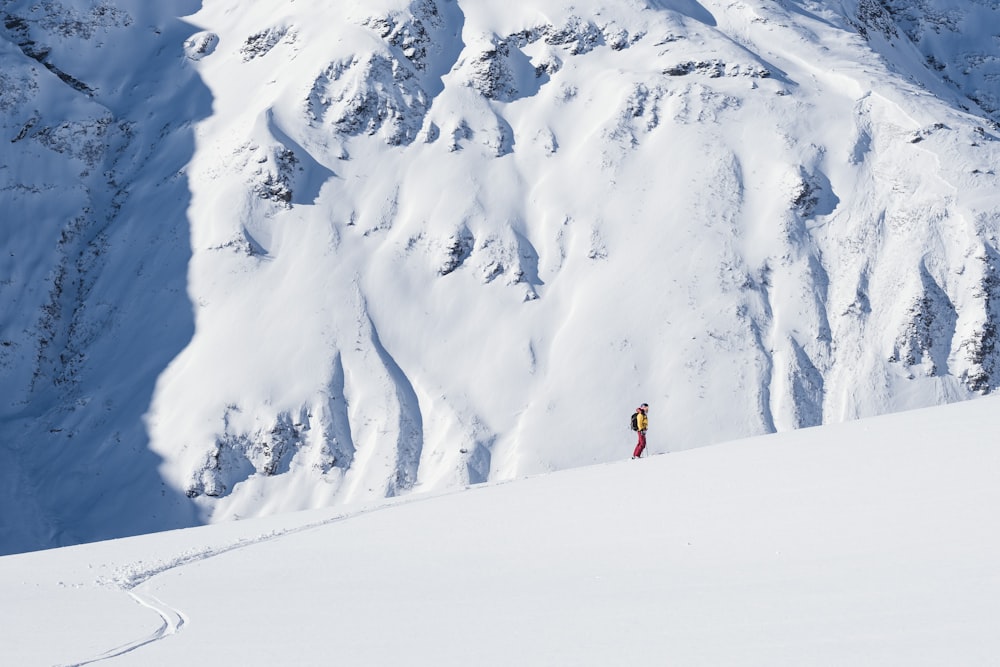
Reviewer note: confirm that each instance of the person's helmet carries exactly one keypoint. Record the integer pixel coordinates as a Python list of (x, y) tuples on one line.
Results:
[(644, 406)]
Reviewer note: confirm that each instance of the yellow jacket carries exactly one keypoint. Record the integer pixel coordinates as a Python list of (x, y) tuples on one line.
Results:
[(642, 421)]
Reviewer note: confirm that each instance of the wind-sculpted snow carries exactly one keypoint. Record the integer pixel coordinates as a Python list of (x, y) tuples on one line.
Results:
[(265, 258)]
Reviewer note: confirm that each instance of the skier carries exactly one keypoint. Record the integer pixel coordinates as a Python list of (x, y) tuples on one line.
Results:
[(641, 423)]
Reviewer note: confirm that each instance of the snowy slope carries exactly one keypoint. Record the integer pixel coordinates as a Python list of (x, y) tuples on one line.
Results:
[(868, 543), (273, 256)]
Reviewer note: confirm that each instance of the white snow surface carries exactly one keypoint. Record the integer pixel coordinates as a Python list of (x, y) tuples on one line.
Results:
[(261, 257), (873, 542)]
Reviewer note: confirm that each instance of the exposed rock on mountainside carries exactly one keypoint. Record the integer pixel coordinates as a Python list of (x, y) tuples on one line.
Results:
[(958, 42), (376, 95)]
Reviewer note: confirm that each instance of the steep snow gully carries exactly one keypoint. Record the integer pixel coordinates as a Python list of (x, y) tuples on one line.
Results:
[(261, 258)]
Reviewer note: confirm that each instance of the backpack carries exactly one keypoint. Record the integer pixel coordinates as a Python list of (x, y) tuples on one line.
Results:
[(635, 421)]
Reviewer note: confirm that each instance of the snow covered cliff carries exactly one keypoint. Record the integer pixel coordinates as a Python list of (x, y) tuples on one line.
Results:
[(267, 256)]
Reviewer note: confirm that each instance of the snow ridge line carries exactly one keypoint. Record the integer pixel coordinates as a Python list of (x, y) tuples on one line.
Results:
[(173, 620)]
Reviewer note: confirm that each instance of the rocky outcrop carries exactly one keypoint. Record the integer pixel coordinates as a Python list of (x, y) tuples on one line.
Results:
[(237, 455), (369, 95), (929, 330), (937, 33), (980, 351)]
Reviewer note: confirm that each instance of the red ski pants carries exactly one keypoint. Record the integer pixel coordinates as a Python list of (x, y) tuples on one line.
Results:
[(641, 445)]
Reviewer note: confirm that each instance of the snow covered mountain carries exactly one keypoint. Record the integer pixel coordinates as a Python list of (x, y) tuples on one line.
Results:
[(270, 256)]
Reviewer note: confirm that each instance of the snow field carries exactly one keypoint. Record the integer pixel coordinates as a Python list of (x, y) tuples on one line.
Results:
[(866, 543)]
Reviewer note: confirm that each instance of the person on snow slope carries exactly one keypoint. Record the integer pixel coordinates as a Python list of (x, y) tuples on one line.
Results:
[(642, 423)]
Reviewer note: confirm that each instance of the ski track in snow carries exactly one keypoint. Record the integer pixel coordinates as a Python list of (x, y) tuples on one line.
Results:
[(173, 621), (130, 578)]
